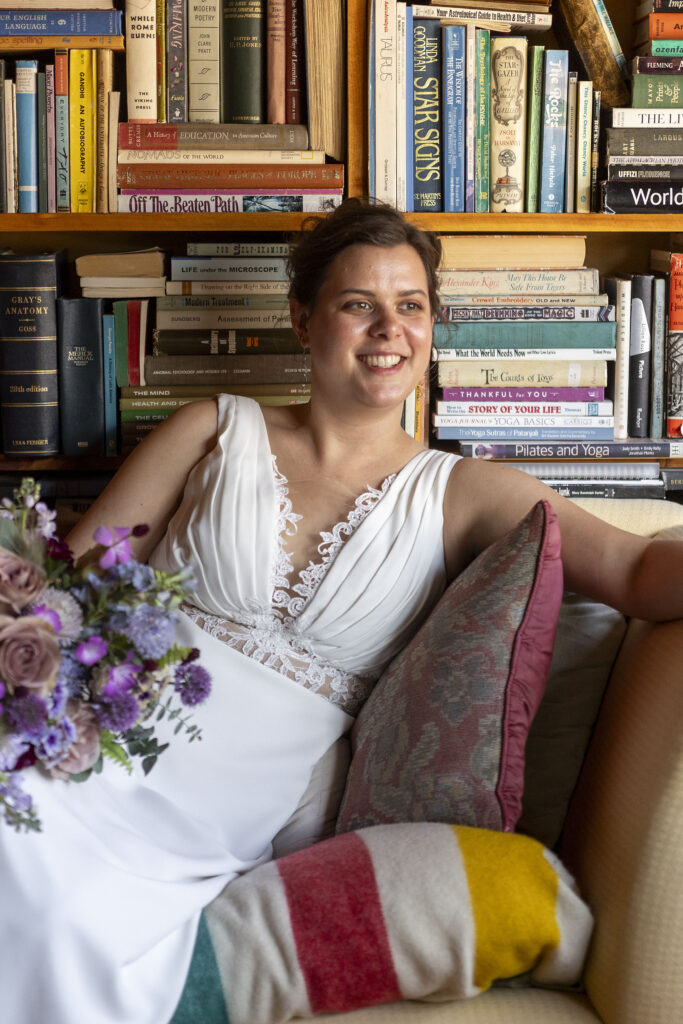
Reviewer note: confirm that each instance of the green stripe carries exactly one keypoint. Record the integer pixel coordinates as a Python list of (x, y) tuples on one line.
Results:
[(202, 999)]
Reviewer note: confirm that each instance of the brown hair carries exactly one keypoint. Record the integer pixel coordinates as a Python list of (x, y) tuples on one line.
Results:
[(356, 222)]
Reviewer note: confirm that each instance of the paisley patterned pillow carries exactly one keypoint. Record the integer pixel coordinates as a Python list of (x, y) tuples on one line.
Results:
[(441, 737)]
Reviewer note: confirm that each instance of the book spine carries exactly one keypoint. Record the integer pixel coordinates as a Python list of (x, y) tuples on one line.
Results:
[(256, 369), (655, 65), (109, 384), (256, 201), (295, 63), (647, 197), (179, 157), (26, 86), (384, 132), (612, 38), (51, 139), (637, 172), (525, 334), (233, 303), (81, 376), (584, 132), (41, 96), (162, 61), (214, 317), (236, 249), (534, 115), (141, 60), (453, 78), (104, 60), (170, 392), (603, 489), (28, 44), (11, 146), (503, 408), (462, 299), (400, 121), (584, 280), (197, 268), (409, 112), (3, 138), (275, 61), (521, 373), (426, 98), (554, 136), (133, 311), (508, 123), (586, 395), (643, 141), (63, 21), (642, 117), (674, 350), (470, 113), (595, 151), (574, 450), (62, 130), (666, 47), (640, 355), (648, 6), (120, 308), (592, 34), (244, 74), (513, 422), (29, 411), (371, 94), (570, 157), (529, 20), (657, 385), (225, 342), (619, 291), (227, 288), (82, 130), (499, 354), (482, 157), (537, 433), (665, 25), (175, 177), (113, 108), (176, 61), (204, 60), (581, 314), (658, 91)]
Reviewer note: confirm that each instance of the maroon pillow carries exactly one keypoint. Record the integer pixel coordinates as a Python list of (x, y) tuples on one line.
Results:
[(442, 735)]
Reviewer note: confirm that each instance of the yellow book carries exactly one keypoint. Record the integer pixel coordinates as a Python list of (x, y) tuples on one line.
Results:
[(82, 129)]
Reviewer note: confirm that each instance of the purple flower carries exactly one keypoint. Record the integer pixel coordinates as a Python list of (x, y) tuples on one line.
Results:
[(27, 715), (122, 677), (151, 630), (49, 615), (56, 742), (2, 690), (59, 551), (116, 543), (72, 675), (118, 711), (46, 516), (192, 682), (90, 651)]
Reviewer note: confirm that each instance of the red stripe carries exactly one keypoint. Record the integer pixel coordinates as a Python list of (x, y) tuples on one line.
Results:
[(338, 926)]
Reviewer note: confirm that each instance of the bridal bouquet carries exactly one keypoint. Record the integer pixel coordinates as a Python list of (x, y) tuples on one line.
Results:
[(88, 662)]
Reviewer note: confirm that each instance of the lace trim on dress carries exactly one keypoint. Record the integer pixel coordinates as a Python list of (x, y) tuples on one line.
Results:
[(272, 638)]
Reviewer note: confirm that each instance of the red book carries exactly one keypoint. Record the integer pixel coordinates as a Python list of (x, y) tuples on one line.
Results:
[(674, 349), (239, 176), (133, 341), (295, 63)]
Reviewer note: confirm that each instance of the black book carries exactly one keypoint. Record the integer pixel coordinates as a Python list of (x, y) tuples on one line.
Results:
[(81, 376), (640, 354), (29, 396)]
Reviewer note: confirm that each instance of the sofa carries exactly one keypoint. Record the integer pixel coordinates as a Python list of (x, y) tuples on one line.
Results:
[(623, 840)]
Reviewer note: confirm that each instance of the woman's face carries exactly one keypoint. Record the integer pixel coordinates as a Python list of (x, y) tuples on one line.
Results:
[(370, 331)]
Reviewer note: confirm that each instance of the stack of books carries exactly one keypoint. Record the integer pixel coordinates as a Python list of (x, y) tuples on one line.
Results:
[(603, 479), (522, 353), (57, 105), (114, 275), (644, 145), (223, 168)]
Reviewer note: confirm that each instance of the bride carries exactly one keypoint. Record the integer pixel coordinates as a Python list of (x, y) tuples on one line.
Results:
[(320, 536)]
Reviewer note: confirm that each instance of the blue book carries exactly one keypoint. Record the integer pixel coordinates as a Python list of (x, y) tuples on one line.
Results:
[(554, 131), (410, 200), (454, 118), (528, 334), (27, 134), (426, 102), (525, 433), (109, 367), (61, 23)]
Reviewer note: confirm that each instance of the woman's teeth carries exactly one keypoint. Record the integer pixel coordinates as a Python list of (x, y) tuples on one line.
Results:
[(381, 361)]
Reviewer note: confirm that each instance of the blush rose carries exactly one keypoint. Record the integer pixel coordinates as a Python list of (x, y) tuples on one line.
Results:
[(21, 582), (29, 653), (85, 749)]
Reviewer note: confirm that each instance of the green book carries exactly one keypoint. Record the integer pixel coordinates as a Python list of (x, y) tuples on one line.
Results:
[(482, 157), (468, 334), (535, 96), (659, 91)]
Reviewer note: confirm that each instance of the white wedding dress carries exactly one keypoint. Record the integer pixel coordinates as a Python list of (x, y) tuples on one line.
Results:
[(98, 912)]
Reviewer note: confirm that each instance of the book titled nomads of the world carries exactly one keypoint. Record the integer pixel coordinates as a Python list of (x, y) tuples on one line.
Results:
[(29, 286)]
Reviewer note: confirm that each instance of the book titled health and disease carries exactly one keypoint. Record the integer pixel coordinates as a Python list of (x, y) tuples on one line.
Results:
[(290, 200)]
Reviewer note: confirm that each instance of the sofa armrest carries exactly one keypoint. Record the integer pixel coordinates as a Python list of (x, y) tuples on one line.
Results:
[(624, 834)]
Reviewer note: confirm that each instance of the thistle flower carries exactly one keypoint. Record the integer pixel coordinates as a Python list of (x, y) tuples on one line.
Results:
[(27, 716), (151, 630), (118, 711), (68, 610), (192, 683)]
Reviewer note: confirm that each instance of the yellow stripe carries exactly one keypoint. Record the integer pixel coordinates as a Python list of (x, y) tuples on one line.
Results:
[(513, 892)]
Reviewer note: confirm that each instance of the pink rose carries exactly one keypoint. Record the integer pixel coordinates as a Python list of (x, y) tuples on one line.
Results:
[(21, 582), (29, 653), (85, 749)]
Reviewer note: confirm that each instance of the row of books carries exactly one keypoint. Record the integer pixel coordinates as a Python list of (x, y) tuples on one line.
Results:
[(644, 172)]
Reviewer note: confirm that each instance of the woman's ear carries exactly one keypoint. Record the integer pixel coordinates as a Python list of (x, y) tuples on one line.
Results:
[(299, 318)]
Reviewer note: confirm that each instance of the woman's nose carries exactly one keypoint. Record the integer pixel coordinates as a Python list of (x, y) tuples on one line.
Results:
[(386, 322)]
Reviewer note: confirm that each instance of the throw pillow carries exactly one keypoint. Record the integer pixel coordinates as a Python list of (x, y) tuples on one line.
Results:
[(414, 911), (442, 735)]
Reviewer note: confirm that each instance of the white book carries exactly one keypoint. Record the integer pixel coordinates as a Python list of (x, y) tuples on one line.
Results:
[(522, 421), (500, 282), (385, 100), (204, 19), (401, 93), (141, 60), (570, 159), (90, 281), (529, 21), (587, 470), (295, 157), (509, 56), (567, 355), (50, 133), (482, 407), (151, 291), (11, 146), (646, 117), (226, 287), (619, 292), (584, 132)]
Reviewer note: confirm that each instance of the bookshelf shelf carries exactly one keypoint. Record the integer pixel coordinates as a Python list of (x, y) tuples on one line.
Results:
[(130, 223), (548, 223), (62, 465)]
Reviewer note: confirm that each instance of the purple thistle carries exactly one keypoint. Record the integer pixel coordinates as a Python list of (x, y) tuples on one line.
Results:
[(116, 543), (151, 630), (192, 683), (72, 675), (27, 716), (118, 711), (90, 651)]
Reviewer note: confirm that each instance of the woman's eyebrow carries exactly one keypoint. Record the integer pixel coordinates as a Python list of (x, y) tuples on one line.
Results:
[(368, 291)]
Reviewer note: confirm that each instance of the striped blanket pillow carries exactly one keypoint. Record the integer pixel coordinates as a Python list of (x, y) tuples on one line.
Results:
[(390, 912)]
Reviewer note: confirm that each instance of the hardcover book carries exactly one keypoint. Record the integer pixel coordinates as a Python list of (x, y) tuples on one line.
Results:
[(243, 96), (426, 102), (29, 409), (81, 376), (141, 60), (454, 117), (586, 26), (26, 86), (82, 130), (176, 61), (203, 60), (508, 123), (674, 350), (640, 354), (554, 131)]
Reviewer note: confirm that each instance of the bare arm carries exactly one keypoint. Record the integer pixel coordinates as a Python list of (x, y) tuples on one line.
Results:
[(150, 484), (638, 576)]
